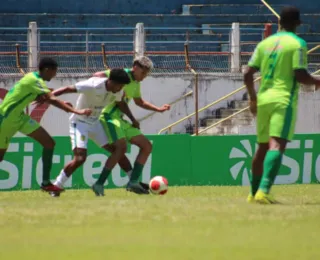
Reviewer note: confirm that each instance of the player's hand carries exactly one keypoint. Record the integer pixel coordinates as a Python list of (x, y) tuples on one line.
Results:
[(136, 124), (85, 112), (253, 107), (165, 107)]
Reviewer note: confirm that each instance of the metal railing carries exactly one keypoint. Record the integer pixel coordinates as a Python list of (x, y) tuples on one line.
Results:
[(246, 108), (189, 94), (169, 127), (272, 11)]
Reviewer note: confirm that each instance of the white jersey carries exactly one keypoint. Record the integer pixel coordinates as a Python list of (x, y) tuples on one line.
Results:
[(93, 95)]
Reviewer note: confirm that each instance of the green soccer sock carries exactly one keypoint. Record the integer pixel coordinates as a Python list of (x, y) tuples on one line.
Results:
[(136, 172), (255, 182), (271, 168), (103, 176), (47, 155)]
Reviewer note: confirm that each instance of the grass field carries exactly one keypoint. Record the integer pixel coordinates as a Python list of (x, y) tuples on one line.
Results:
[(187, 223)]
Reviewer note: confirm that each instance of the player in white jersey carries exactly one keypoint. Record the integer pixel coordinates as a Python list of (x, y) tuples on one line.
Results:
[(95, 93)]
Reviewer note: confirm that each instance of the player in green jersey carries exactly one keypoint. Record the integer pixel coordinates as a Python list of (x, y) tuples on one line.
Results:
[(13, 119), (282, 62), (112, 115)]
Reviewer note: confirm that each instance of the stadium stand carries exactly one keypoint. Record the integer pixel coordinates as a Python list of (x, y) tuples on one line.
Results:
[(210, 21)]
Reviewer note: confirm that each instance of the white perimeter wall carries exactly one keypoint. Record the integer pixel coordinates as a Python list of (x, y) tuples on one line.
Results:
[(160, 90)]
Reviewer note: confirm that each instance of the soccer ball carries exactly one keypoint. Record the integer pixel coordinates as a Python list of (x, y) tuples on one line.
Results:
[(158, 185)]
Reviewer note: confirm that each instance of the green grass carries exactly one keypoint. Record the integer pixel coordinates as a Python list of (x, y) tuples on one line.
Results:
[(187, 223)]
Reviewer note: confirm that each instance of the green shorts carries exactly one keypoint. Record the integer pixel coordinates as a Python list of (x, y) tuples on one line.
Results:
[(117, 128), (276, 120), (9, 126)]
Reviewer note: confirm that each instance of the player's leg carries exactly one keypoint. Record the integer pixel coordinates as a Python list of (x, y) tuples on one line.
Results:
[(263, 122), (109, 130), (99, 136), (115, 129), (145, 148), (8, 128), (257, 169), (282, 124), (32, 129), (4, 141), (125, 165), (124, 162), (120, 147), (79, 140)]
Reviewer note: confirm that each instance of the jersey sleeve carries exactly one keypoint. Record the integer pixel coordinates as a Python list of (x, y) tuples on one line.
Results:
[(37, 86), (107, 73), (255, 60), (137, 92), (300, 57)]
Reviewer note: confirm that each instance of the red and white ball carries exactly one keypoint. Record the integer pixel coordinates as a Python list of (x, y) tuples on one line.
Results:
[(158, 185)]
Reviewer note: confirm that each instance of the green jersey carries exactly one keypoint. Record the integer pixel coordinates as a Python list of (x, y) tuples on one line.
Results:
[(131, 90), (277, 57), (22, 94)]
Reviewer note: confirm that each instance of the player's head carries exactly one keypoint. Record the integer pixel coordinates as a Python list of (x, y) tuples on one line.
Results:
[(141, 67), (117, 79), (290, 18), (48, 68)]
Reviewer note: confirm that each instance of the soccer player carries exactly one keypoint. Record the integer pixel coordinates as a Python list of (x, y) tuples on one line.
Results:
[(95, 93), (282, 62), (13, 119), (112, 115)]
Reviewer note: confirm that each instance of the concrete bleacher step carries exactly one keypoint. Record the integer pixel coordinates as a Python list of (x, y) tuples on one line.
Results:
[(229, 130), (154, 20), (234, 8), (308, 37), (231, 125), (247, 27), (190, 37), (227, 9), (179, 46)]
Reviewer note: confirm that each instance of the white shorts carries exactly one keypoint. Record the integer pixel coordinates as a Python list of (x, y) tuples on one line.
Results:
[(80, 132)]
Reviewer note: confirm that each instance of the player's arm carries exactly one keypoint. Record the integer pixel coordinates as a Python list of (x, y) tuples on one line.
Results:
[(124, 108), (100, 74), (148, 106), (300, 66), (51, 99), (253, 66), (64, 90), (249, 82)]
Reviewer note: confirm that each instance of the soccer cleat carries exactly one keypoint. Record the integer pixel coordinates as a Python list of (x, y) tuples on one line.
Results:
[(264, 198), (98, 190), (49, 187), (144, 185), (54, 194), (250, 198), (137, 188)]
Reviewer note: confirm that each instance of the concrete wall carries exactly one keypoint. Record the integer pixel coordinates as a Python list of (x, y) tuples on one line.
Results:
[(160, 90)]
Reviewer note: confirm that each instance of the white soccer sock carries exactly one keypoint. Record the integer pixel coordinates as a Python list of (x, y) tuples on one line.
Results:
[(61, 179), (129, 173)]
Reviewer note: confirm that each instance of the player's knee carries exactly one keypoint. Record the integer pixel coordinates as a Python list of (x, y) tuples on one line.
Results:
[(80, 159), (147, 146), (109, 148), (120, 146), (50, 144)]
